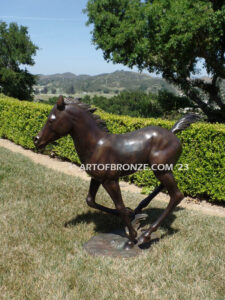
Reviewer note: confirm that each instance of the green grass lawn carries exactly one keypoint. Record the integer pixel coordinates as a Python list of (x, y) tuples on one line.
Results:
[(40, 258)]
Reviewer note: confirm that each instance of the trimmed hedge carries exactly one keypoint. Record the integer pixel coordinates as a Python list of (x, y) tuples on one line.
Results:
[(203, 146)]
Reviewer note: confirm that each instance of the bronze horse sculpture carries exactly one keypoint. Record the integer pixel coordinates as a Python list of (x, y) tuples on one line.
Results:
[(95, 145)]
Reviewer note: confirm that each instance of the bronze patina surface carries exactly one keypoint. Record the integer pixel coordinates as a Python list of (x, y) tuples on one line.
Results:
[(113, 245), (95, 145)]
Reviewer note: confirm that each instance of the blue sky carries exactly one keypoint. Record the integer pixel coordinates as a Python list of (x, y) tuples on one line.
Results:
[(58, 29)]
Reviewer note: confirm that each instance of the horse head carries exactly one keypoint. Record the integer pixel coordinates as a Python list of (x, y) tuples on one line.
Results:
[(58, 125)]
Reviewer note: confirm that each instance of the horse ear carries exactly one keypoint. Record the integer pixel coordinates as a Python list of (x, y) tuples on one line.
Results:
[(60, 103)]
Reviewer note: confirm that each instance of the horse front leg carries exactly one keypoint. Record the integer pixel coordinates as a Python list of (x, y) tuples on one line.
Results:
[(113, 189), (148, 199), (94, 186)]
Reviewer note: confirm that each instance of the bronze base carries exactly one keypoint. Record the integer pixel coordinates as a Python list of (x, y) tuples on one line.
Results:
[(112, 244)]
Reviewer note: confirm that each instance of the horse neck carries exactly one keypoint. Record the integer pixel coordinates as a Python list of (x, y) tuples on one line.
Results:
[(85, 134)]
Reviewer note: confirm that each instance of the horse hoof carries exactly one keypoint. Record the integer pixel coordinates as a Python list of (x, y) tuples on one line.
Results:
[(143, 239), (128, 245)]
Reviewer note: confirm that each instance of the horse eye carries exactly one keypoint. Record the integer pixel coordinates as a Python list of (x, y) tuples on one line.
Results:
[(52, 118)]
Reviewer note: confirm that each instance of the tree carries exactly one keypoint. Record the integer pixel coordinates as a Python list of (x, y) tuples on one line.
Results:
[(53, 90), (16, 51), (70, 89), (169, 37), (44, 90), (140, 104)]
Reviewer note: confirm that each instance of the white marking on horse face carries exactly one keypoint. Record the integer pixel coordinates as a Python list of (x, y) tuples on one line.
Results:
[(53, 117), (101, 142)]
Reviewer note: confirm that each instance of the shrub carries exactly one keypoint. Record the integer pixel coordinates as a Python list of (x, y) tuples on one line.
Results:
[(203, 145), (140, 104)]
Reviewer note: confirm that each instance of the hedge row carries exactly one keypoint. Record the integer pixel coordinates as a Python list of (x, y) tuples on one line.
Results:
[(203, 146)]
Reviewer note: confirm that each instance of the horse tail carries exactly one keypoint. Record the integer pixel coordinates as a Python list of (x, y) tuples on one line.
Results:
[(185, 122)]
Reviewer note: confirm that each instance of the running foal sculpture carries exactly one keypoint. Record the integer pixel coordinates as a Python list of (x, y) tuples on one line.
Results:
[(95, 145)]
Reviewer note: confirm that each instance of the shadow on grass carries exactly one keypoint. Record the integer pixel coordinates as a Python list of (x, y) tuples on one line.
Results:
[(105, 223)]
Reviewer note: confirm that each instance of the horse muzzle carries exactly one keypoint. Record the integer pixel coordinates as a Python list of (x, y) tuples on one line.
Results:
[(37, 142)]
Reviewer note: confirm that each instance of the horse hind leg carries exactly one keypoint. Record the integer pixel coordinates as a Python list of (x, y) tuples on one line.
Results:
[(170, 157), (167, 179)]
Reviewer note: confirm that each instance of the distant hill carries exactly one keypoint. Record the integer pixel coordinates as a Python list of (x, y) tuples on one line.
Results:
[(104, 83)]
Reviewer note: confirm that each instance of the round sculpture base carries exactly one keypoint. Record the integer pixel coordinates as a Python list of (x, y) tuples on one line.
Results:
[(112, 244)]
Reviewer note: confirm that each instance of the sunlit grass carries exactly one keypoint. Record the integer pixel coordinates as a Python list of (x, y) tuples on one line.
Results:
[(40, 258)]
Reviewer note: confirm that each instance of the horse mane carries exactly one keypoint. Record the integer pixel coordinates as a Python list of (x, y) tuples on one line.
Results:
[(90, 110)]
